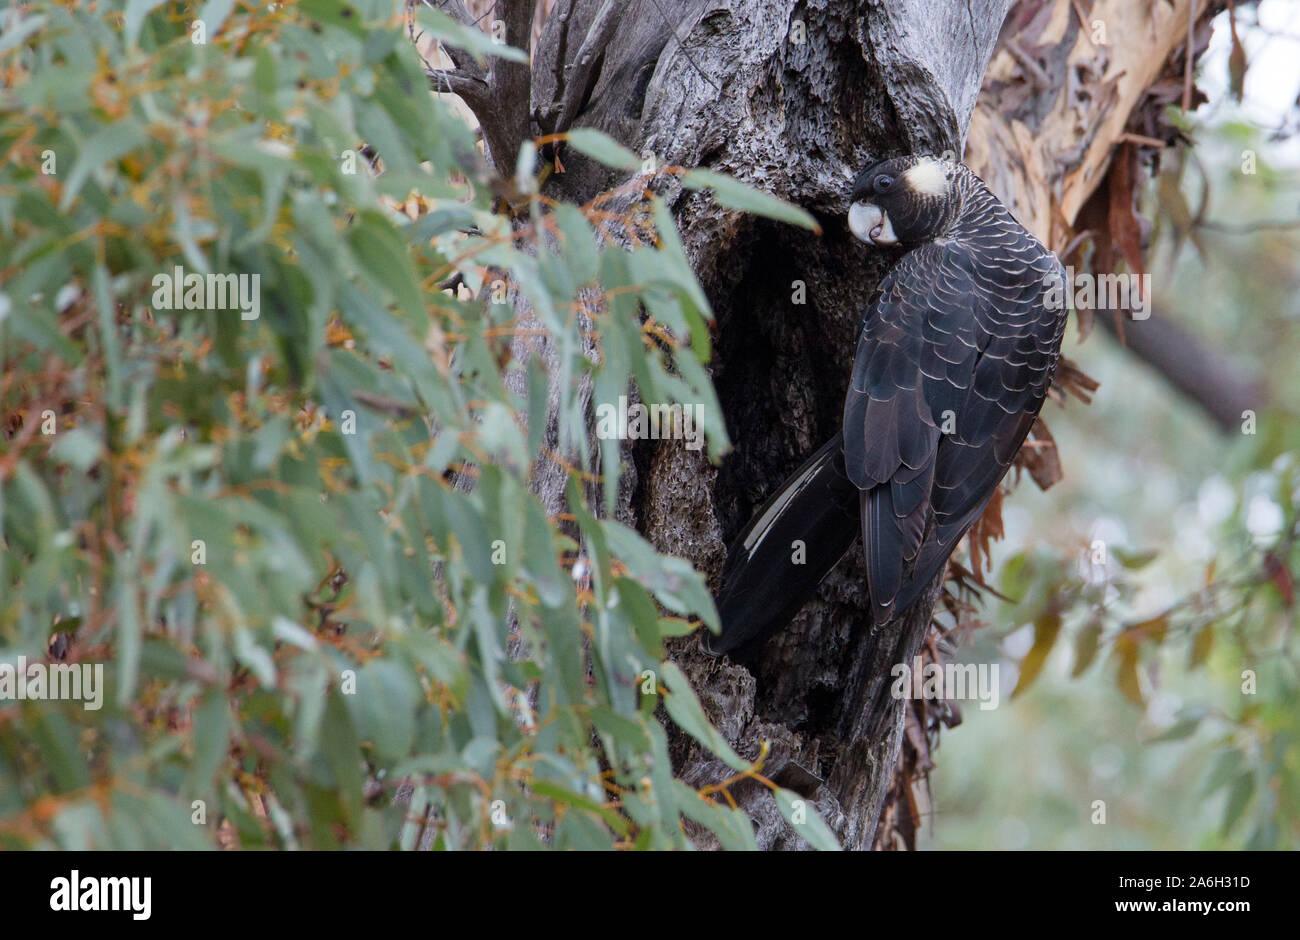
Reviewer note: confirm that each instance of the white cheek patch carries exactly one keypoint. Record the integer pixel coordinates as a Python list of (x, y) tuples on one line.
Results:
[(871, 224), (929, 177)]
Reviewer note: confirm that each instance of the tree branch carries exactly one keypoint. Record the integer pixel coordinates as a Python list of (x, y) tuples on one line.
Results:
[(499, 97), (579, 72), (555, 39), (506, 123), (472, 90), (1202, 375)]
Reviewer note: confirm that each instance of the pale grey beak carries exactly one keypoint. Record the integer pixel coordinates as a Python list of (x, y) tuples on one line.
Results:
[(871, 223)]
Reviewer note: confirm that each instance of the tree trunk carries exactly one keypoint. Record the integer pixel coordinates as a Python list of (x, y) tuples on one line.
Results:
[(794, 97)]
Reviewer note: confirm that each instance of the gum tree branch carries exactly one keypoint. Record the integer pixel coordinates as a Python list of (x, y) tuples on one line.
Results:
[(508, 121), (472, 90), (579, 71), (1202, 375), (499, 96), (555, 36)]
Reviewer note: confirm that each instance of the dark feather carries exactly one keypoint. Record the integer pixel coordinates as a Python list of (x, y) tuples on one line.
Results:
[(762, 586)]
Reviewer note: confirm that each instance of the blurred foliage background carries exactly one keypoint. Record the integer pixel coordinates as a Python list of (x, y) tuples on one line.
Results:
[(1140, 701), (305, 544)]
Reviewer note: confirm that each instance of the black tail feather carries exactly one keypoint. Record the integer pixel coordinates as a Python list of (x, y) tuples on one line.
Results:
[(768, 576)]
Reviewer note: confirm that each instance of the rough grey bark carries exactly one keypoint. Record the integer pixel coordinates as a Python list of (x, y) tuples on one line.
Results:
[(1202, 375), (793, 97), (730, 86)]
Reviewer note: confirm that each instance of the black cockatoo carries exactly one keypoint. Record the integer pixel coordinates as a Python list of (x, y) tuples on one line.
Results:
[(954, 359)]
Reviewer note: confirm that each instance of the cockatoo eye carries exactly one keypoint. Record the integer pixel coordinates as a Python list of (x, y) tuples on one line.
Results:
[(883, 183)]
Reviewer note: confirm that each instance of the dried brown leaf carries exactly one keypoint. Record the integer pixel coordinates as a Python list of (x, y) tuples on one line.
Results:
[(1039, 457), (987, 528)]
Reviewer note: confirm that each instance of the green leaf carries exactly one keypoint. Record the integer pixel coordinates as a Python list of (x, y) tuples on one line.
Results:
[(1178, 731), (136, 11), (1239, 797), (474, 41), (810, 826), (384, 707), (602, 148), (78, 448), (673, 581), (105, 146), (567, 797), (214, 15), (18, 29), (1202, 644), (211, 730), (1086, 645), (540, 559), (733, 828), (1134, 561), (1126, 670), (684, 708), (737, 195), (1225, 766), (383, 255), (1046, 628), (342, 751)]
